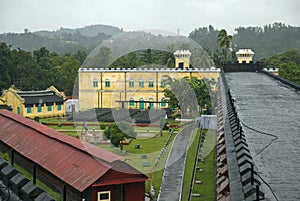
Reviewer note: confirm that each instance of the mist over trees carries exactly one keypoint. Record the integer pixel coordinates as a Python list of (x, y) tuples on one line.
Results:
[(265, 41), (62, 41)]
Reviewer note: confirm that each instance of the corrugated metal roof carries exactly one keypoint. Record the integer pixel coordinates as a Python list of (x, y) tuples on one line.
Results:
[(40, 97), (77, 163)]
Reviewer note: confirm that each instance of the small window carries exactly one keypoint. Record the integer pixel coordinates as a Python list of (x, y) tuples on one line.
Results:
[(107, 83), (151, 83), (163, 84), (28, 110), (141, 83), (104, 196), (49, 108), (18, 110), (131, 83), (59, 107), (39, 109), (95, 83)]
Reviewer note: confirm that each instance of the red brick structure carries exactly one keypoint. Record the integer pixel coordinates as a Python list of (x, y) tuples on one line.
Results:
[(75, 169)]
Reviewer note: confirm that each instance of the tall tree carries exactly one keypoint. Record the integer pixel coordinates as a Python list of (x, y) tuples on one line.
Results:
[(224, 42)]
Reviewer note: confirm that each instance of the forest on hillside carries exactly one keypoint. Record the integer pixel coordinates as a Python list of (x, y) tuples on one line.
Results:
[(62, 41), (264, 41), (36, 68)]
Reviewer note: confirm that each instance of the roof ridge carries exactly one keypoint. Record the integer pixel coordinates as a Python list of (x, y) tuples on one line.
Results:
[(82, 146)]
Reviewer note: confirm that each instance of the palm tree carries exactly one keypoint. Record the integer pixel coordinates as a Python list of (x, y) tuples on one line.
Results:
[(224, 42)]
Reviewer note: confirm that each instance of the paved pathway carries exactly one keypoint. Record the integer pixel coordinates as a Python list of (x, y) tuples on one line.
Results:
[(171, 186)]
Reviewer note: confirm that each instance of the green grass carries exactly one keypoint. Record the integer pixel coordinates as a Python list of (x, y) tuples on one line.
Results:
[(189, 165), (207, 188)]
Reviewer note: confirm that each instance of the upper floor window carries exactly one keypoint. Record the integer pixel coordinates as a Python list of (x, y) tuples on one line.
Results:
[(95, 83), (28, 109), (141, 83), (131, 83), (151, 83), (107, 83), (163, 83)]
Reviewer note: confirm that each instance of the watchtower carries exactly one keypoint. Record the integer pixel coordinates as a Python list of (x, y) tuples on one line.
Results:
[(182, 58), (244, 55)]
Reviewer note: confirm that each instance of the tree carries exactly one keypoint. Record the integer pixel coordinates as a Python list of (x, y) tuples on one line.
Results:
[(118, 131), (224, 42), (183, 92)]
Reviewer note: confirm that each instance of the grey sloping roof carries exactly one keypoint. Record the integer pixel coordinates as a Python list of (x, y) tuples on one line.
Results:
[(39, 97), (271, 111)]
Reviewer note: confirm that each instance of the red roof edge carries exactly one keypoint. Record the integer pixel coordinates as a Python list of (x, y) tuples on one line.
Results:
[(88, 148), (120, 181)]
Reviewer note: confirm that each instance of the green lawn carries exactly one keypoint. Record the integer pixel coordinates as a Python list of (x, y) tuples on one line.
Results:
[(189, 165), (206, 189)]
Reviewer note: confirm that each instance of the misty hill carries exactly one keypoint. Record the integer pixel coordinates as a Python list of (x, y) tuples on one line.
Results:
[(62, 41), (89, 31)]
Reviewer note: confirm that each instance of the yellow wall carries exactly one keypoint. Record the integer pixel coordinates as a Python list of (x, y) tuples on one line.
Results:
[(15, 101), (120, 90), (247, 58)]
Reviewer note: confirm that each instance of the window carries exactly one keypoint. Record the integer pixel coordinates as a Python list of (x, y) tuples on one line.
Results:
[(131, 83), (131, 102), (141, 83), (95, 83), (49, 108), (163, 102), (163, 84), (28, 109), (39, 109), (18, 110), (151, 84), (104, 196), (59, 107), (107, 83)]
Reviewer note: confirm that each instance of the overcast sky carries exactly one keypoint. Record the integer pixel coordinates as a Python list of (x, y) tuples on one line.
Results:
[(15, 15)]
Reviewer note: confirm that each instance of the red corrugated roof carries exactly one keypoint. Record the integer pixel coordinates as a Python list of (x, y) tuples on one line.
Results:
[(77, 163)]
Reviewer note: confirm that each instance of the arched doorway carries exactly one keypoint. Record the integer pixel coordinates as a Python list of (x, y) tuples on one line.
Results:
[(141, 104)]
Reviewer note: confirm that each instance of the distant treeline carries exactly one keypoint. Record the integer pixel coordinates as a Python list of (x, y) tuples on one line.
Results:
[(38, 70), (264, 41)]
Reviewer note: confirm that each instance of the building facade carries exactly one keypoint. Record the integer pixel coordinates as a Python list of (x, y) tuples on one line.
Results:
[(136, 88), (32, 104)]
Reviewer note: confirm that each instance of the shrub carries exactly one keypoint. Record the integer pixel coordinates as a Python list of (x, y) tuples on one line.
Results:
[(102, 126)]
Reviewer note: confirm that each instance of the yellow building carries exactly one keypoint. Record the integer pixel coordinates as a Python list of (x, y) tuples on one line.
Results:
[(32, 104), (137, 88), (244, 55)]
